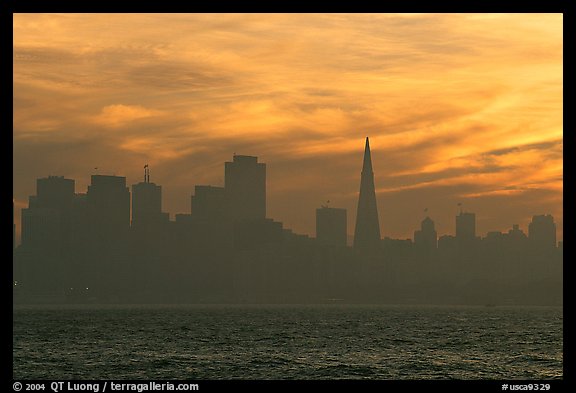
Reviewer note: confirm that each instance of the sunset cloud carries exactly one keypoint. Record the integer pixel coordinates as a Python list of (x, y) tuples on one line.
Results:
[(119, 115)]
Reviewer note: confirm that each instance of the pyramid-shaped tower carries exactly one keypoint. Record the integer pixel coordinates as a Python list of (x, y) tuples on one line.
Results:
[(367, 231)]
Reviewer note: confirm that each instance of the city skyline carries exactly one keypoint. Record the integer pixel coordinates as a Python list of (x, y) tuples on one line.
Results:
[(201, 189), (89, 247), (456, 112), (212, 202)]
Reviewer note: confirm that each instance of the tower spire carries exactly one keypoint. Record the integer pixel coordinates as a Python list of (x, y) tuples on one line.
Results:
[(367, 165), (367, 231)]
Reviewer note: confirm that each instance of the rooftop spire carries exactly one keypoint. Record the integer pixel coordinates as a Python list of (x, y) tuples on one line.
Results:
[(367, 166), (146, 174)]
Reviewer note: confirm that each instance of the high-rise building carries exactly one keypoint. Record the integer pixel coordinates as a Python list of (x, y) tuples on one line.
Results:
[(208, 203), (245, 188), (41, 227), (47, 235), (465, 226), (367, 231), (542, 232), (108, 201), (55, 192), (331, 226), (147, 203), (426, 239), (45, 221)]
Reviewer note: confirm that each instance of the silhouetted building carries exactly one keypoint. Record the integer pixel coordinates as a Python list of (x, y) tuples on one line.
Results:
[(55, 192), (208, 224), (47, 236), (40, 227), (466, 226), (426, 239), (147, 203), (46, 220), (331, 226), (80, 222), (109, 208), (367, 230), (245, 185), (516, 239), (208, 203), (542, 232)]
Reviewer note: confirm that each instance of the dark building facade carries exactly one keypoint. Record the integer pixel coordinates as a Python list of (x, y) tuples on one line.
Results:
[(542, 232), (147, 203), (46, 221), (245, 187), (466, 226), (208, 203), (108, 200), (426, 239), (55, 192)]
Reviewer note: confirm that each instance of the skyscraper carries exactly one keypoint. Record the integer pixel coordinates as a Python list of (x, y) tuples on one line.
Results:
[(147, 203), (426, 239), (245, 188), (208, 203), (55, 192), (331, 226), (109, 208), (47, 234), (465, 226), (367, 231), (46, 219), (542, 232)]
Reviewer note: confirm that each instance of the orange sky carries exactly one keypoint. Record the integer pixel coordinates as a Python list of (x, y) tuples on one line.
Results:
[(460, 108)]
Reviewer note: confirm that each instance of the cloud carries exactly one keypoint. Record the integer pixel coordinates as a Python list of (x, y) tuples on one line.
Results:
[(118, 115)]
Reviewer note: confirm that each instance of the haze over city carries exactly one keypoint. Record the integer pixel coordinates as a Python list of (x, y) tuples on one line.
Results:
[(456, 111)]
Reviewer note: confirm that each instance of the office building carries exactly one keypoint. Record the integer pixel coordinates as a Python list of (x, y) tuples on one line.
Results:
[(542, 232), (426, 238), (245, 188), (147, 203), (108, 201), (208, 203), (465, 226)]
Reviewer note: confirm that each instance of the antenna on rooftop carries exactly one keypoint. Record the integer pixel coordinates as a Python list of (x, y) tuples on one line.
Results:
[(146, 174)]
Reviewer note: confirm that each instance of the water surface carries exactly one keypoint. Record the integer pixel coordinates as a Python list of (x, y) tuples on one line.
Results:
[(287, 342)]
